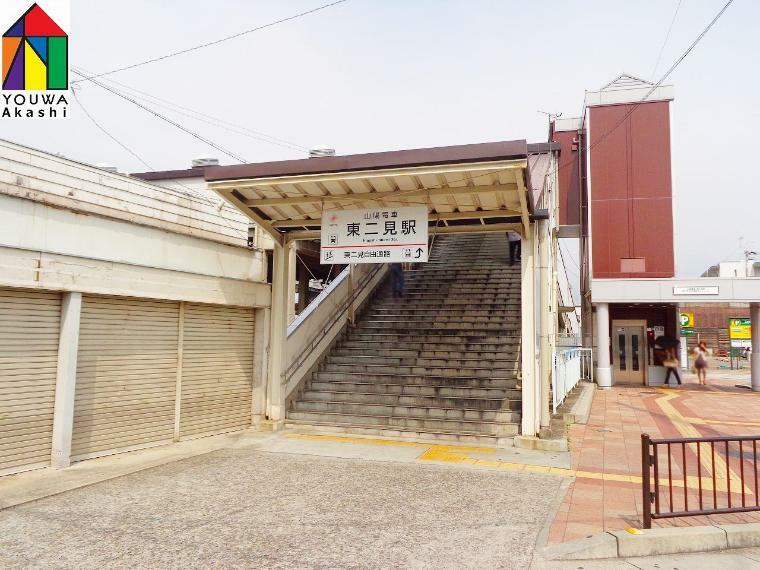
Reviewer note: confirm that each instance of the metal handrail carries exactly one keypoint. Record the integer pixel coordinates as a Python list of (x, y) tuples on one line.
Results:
[(713, 501), (337, 315), (561, 387)]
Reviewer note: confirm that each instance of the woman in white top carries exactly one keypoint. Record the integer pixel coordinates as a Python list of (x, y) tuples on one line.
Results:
[(701, 353)]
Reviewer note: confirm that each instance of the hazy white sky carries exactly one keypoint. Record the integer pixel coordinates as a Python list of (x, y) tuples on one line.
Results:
[(373, 75)]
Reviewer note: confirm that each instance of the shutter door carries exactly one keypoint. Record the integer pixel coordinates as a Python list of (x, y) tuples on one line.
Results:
[(126, 375), (29, 329), (217, 369)]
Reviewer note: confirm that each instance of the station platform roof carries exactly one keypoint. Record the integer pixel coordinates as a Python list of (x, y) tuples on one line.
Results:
[(466, 188)]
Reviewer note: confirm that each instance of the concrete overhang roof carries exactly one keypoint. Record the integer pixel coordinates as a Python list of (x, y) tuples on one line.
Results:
[(477, 187), (676, 290)]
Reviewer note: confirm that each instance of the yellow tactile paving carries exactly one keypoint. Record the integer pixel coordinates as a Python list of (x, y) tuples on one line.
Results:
[(687, 429), (460, 454)]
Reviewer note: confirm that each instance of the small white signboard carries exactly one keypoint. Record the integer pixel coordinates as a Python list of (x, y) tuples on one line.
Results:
[(696, 290), (375, 235)]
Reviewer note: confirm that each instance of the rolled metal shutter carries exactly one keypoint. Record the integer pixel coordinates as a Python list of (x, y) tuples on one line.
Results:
[(29, 330), (217, 369), (126, 375)]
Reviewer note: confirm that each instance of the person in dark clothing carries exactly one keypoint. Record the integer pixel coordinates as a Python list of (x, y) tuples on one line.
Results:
[(671, 363), (397, 279), (514, 247)]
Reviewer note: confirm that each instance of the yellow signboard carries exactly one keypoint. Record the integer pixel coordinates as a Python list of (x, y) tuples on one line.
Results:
[(739, 329), (686, 320)]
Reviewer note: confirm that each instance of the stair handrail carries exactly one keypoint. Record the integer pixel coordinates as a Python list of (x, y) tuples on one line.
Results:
[(337, 315)]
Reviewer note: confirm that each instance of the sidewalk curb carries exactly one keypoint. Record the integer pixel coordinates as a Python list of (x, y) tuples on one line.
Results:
[(657, 541), (532, 442), (582, 407)]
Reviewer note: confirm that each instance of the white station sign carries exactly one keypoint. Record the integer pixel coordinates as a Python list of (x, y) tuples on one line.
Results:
[(375, 235), (697, 290)]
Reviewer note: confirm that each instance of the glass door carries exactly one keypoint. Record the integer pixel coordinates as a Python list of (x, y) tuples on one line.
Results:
[(629, 354)]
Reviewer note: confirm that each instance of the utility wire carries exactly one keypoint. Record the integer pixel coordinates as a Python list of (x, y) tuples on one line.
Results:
[(567, 278), (663, 78), (105, 132), (667, 36), (164, 118), (216, 121), (211, 43), (187, 189), (603, 136)]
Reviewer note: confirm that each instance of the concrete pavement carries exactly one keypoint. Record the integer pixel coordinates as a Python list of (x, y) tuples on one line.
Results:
[(243, 506), (294, 500)]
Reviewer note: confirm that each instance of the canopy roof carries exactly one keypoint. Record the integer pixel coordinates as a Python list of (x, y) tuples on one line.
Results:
[(466, 188)]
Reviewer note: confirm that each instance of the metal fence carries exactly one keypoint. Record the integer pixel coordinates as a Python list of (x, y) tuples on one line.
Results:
[(570, 365), (705, 476)]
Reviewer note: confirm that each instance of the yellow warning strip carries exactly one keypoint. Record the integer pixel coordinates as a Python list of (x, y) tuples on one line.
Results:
[(703, 421), (460, 454), (686, 429)]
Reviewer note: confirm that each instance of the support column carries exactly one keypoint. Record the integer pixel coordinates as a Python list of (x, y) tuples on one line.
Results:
[(754, 315), (530, 419), (259, 381), (546, 284), (66, 379), (291, 282), (603, 370), (278, 330)]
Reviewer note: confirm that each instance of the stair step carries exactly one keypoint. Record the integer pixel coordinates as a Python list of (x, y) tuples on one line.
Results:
[(436, 380), (339, 357), (396, 369), (421, 401), (396, 388), (450, 426), (399, 433), (440, 346), (416, 412), (440, 363)]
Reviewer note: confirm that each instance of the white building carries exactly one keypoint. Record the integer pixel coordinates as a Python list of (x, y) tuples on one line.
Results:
[(734, 269), (130, 315)]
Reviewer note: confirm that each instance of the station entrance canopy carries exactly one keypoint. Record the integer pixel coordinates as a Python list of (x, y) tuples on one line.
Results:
[(466, 188)]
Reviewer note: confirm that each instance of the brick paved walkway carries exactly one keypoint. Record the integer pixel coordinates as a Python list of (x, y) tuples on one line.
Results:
[(610, 443)]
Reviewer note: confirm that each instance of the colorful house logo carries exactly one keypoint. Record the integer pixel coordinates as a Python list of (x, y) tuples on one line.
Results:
[(35, 54)]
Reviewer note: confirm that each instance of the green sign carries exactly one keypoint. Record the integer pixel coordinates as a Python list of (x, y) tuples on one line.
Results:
[(688, 332)]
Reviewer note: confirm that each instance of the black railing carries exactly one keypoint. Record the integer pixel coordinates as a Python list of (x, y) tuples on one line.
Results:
[(705, 476)]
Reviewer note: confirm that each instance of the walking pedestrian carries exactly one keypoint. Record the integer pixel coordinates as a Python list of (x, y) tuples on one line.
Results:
[(515, 247), (701, 354), (671, 363), (397, 279)]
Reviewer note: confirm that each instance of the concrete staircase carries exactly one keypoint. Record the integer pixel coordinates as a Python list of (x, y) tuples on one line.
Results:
[(440, 363)]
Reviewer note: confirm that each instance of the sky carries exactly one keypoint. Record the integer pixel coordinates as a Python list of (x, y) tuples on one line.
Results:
[(376, 75)]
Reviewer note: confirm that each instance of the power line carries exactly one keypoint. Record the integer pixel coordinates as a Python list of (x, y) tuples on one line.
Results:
[(105, 132), (663, 78), (211, 43), (610, 131), (216, 121), (164, 118), (567, 278), (667, 36), (187, 189)]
